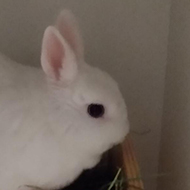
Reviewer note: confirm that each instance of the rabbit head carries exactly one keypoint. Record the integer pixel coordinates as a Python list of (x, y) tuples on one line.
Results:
[(89, 105)]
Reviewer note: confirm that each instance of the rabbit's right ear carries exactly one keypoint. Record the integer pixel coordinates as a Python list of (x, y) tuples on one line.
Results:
[(57, 58), (68, 27)]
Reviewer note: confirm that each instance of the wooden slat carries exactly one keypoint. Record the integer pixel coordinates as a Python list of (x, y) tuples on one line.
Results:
[(131, 166)]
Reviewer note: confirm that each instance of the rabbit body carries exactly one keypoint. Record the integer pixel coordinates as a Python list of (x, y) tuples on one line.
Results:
[(47, 137)]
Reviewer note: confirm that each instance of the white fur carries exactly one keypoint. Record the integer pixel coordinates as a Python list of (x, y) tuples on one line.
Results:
[(47, 137)]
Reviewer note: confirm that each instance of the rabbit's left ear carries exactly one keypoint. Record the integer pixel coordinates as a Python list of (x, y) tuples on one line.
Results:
[(68, 28), (57, 58)]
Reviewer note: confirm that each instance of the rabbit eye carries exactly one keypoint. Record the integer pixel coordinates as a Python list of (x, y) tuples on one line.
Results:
[(96, 110)]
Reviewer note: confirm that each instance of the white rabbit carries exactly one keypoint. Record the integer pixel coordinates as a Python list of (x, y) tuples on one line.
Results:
[(55, 125)]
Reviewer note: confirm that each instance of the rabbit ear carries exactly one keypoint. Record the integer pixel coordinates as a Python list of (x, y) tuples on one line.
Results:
[(68, 27), (57, 59)]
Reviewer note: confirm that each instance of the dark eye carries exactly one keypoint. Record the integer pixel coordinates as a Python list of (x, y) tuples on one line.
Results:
[(96, 110)]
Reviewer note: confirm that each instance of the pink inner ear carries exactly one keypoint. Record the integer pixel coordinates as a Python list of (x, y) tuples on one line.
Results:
[(55, 54)]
